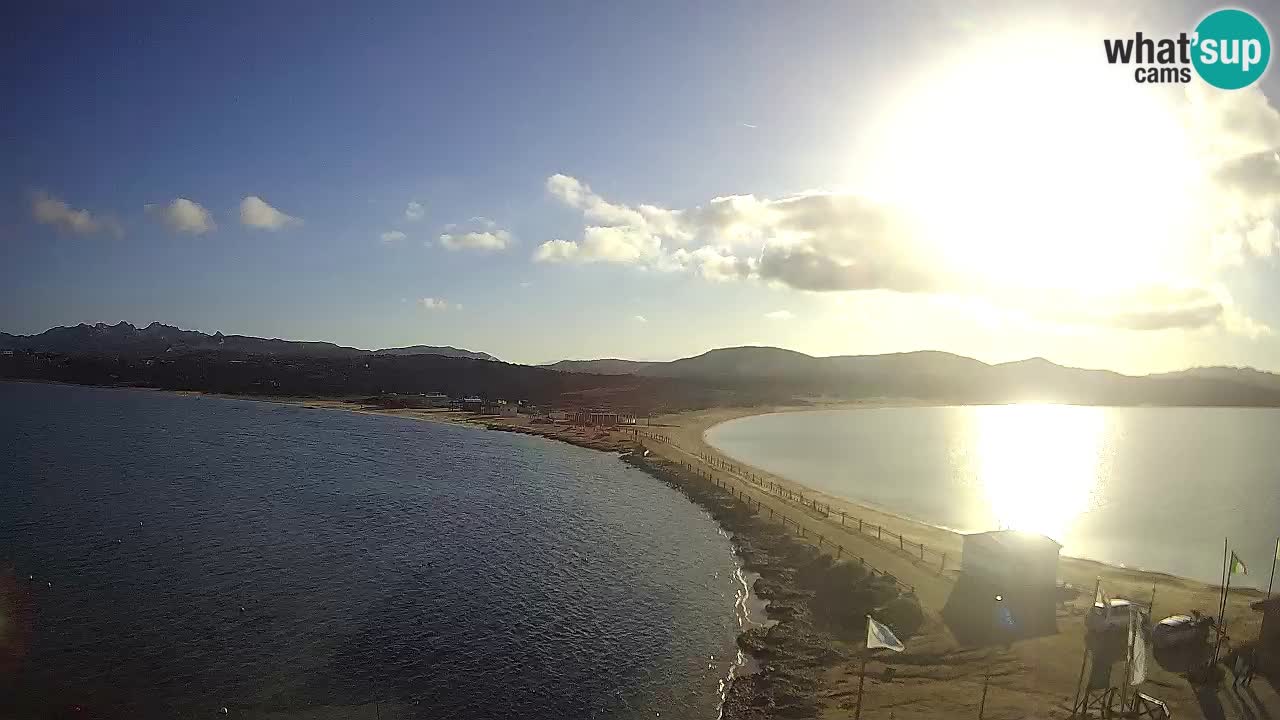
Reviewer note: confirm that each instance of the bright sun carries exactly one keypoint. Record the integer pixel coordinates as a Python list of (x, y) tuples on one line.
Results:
[(1029, 163)]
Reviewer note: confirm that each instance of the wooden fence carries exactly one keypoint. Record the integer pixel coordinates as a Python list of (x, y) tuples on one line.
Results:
[(918, 551)]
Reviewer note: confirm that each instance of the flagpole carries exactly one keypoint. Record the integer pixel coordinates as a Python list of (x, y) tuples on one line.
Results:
[(1274, 557), (1222, 619), (862, 678), (1223, 585), (1217, 630), (982, 706), (1222, 615)]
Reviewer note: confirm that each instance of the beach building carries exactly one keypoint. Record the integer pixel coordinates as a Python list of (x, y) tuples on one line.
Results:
[(473, 404), (501, 407), (1007, 586), (434, 400), (1269, 637)]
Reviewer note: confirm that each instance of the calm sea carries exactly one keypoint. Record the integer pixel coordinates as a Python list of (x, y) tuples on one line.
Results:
[(167, 556), (1153, 488)]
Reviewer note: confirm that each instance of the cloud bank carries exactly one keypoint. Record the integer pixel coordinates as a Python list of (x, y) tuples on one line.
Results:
[(841, 241)]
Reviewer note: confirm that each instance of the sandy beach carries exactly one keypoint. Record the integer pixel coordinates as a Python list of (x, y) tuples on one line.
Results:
[(936, 676)]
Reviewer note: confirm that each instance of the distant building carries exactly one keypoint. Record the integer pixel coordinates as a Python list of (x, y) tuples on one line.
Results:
[(501, 407), (1007, 587), (473, 404), (434, 400)]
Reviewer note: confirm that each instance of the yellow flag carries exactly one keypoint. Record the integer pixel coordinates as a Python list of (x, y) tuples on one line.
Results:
[(1237, 565)]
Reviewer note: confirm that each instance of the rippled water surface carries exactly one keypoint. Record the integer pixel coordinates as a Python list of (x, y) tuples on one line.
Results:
[(1155, 488), (187, 554)]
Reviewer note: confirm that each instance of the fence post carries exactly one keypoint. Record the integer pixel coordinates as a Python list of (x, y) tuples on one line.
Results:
[(943, 566), (922, 551), (859, 525), (842, 517), (839, 551), (879, 532), (902, 544)]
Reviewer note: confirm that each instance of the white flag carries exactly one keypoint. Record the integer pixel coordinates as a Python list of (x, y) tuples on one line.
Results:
[(880, 636), (1138, 664)]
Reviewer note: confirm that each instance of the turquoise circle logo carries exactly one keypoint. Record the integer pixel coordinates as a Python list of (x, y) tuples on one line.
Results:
[(1232, 49)]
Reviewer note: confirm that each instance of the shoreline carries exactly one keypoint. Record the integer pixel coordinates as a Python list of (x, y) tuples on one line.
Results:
[(689, 429), (936, 674), (907, 522), (1037, 675)]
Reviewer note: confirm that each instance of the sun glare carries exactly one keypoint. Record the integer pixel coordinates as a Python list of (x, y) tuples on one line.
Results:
[(1038, 464), (1029, 163)]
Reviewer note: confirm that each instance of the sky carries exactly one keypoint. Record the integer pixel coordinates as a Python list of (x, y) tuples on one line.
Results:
[(544, 181)]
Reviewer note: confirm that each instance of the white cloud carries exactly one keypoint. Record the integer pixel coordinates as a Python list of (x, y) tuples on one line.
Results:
[(430, 303), (556, 251), (825, 241), (255, 212), (780, 315), (413, 212), (391, 236), (185, 216), (484, 236), (49, 210), (640, 318)]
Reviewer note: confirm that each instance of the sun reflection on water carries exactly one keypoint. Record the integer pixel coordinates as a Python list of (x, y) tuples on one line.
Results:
[(1038, 464)]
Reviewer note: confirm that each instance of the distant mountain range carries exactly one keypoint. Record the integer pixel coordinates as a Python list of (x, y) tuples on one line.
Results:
[(941, 376), (114, 354), (157, 338)]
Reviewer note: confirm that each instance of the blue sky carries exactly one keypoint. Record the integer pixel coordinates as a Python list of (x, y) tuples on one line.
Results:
[(338, 117)]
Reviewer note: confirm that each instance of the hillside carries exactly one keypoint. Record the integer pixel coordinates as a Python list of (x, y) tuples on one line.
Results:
[(168, 357), (932, 376), (606, 366), (158, 338), (445, 351)]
